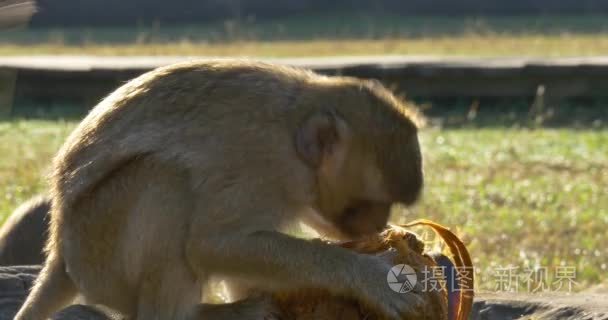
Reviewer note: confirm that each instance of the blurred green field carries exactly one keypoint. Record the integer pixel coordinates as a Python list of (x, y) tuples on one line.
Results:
[(347, 34), (465, 45), (519, 197)]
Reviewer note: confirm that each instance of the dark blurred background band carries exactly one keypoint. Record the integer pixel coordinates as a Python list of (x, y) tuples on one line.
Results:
[(121, 12)]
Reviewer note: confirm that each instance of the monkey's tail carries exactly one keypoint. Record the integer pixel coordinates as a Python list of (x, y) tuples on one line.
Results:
[(53, 290)]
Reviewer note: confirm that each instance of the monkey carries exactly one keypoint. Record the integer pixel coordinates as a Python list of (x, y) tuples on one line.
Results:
[(193, 171), (24, 233)]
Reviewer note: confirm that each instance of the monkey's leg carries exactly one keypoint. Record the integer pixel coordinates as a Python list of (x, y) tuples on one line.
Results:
[(53, 289), (178, 294), (171, 294)]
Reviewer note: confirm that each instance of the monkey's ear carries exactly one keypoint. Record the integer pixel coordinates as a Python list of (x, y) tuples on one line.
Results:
[(319, 135)]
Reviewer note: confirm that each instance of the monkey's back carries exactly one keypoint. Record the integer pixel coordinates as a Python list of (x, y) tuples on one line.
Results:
[(197, 123), (172, 110)]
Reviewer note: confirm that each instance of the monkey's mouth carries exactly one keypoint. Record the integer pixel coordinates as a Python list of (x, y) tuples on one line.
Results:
[(363, 219)]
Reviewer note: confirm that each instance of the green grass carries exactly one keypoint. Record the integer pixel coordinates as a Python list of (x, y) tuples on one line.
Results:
[(520, 197), (331, 34), (314, 27), (465, 45), (27, 148)]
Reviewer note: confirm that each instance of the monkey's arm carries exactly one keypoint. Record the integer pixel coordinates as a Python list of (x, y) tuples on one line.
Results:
[(274, 260), (281, 260)]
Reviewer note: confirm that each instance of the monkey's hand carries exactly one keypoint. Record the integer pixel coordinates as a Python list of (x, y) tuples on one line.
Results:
[(395, 301)]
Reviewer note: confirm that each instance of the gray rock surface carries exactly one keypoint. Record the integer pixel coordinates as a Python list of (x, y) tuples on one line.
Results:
[(80, 312), (592, 305), (86, 79), (15, 283), (559, 306)]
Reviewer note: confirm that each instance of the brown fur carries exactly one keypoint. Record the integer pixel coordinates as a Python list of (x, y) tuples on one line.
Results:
[(24, 233), (194, 170)]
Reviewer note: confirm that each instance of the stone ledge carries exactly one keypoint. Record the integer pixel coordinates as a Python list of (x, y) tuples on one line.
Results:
[(142, 63), (84, 80), (15, 282)]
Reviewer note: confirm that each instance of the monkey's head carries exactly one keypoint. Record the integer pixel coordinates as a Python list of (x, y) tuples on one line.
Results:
[(362, 145)]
